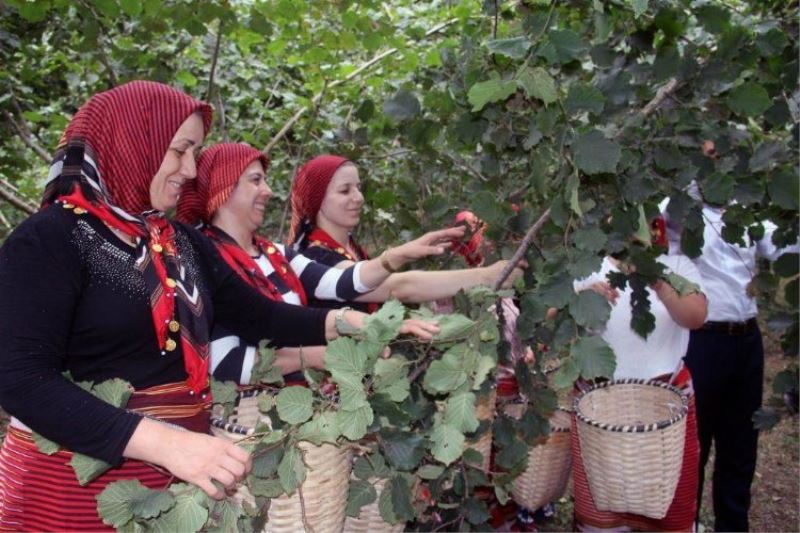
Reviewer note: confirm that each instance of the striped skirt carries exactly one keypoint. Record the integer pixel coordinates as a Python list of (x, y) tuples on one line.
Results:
[(681, 513), (40, 492)]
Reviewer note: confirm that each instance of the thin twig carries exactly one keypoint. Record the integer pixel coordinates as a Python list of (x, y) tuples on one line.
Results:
[(214, 63), (17, 202), (4, 220), (300, 112), (27, 137), (222, 128), (496, 19), (666, 90), (465, 167), (522, 249)]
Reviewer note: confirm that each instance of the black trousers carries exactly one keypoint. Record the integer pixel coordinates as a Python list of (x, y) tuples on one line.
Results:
[(727, 371)]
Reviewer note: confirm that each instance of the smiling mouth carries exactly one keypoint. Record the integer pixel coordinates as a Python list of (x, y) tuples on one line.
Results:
[(175, 184)]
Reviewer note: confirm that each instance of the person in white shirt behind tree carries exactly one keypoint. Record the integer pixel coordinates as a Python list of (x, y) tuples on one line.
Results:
[(726, 359)]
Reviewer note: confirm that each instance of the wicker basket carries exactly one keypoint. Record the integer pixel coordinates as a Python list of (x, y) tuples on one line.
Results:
[(369, 519), (549, 463), (631, 435), (324, 489), (484, 410)]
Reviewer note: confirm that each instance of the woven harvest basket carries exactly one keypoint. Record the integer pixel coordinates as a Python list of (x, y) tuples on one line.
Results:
[(549, 463), (484, 410), (324, 489), (631, 435), (369, 519)]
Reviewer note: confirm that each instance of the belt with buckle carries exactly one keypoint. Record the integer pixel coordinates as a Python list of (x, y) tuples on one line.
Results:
[(731, 328)]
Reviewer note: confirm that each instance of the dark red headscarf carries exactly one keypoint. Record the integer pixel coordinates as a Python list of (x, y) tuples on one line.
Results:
[(308, 191), (218, 171), (105, 162)]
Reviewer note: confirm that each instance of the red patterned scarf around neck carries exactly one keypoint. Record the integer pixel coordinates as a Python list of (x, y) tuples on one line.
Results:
[(247, 268)]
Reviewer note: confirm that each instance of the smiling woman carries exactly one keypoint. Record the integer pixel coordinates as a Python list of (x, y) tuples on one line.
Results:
[(178, 165)]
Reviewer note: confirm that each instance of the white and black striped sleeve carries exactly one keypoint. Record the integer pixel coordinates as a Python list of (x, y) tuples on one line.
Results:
[(324, 282), (232, 359)]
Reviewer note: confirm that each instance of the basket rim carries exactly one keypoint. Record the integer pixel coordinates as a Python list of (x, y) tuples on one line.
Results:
[(637, 428)]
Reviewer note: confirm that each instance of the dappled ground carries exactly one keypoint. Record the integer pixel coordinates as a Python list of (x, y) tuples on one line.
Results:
[(776, 489)]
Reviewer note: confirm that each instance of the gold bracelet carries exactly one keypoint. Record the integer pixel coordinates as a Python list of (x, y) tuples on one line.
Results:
[(385, 263)]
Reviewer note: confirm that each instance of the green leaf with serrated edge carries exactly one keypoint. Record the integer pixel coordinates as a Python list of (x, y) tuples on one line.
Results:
[(359, 494), (590, 309), (447, 443), (490, 91), (345, 362), (589, 239), (443, 376), (400, 492), (594, 154), (324, 427), (291, 470), (398, 390), (486, 363), (268, 488), (639, 7), (189, 512), (453, 327), (383, 326), (567, 43), (402, 449), (354, 424), (266, 461), (87, 468), (370, 466), (786, 265), (226, 515), (224, 392), (265, 403), (114, 391), (583, 97), (351, 399), (765, 418), (537, 83), (151, 503), (784, 190), (387, 371), (114, 503), (295, 404), (512, 454), (682, 285), (131, 8), (593, 357), (749, 99), (386, 507), (567, 373), (785, 381), (514, 47), (459, 412), (642, 233), (264, 369), (718, 188), (44, 445), (556, 291), (430, 471), (402, 106)]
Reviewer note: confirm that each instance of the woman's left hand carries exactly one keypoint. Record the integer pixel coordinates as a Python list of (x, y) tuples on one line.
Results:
[(419, 328), (432, 243)]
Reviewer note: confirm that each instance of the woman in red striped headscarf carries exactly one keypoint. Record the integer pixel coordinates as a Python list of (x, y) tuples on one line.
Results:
[(326, 208), (99, 284), (229, 199)]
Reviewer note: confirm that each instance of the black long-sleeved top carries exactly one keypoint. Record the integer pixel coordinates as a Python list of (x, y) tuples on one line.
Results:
[(330, 258), (72, 299)]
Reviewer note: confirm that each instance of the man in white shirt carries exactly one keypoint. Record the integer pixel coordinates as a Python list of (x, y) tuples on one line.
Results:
[(726, 359)]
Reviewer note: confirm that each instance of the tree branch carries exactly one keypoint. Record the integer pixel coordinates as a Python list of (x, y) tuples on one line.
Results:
[(315, 101), (16, 201), (222, 128), (214, 63), (522, 249), (665, 91), (27, 137)]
